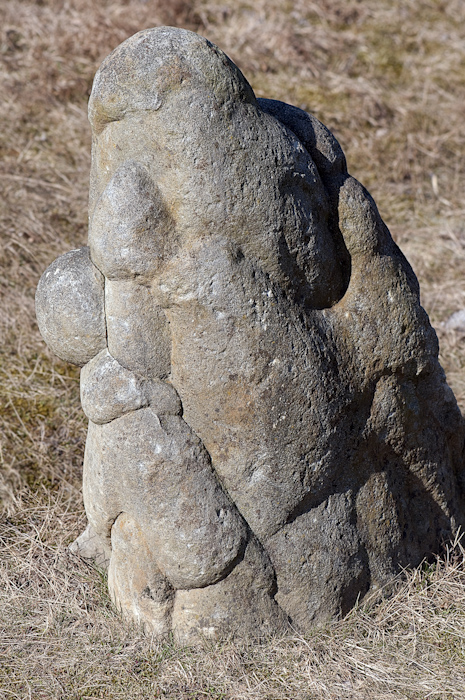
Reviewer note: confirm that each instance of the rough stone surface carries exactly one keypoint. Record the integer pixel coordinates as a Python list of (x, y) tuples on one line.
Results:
[(241, 604), (108, 390), (137, 329), (192, 528), (139, 588), (70, 307), (271, 433), (90, 546)]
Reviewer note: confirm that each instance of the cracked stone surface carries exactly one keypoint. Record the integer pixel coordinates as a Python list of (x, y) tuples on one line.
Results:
[(270, 432)]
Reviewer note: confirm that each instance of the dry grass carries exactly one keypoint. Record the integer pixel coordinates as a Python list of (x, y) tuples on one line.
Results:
[(62, 639), (388, 76)]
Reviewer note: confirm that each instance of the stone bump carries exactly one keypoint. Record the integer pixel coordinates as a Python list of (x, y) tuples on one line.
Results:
[(70, 307), (271, 435)]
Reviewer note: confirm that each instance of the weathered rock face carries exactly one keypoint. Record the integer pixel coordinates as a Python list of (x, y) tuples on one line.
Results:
[(270, 431)]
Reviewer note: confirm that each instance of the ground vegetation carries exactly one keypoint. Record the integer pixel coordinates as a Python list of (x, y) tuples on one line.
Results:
[(388, 78)]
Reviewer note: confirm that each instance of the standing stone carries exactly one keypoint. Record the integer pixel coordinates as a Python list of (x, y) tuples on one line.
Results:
[(270, 432)]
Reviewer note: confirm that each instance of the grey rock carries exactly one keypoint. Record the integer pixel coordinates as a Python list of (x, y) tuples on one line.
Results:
[(138, 588), (162, 397), (137, 329), (70, 309), (242, 604), (320, 561), (165, 482), (108, 390), (271, 433), (130, 227), (90, 546)]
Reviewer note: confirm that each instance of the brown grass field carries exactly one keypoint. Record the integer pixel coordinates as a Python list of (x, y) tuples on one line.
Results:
[(388, 77)]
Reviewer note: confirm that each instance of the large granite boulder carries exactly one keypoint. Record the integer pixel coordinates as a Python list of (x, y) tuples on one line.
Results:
[(270, 432)]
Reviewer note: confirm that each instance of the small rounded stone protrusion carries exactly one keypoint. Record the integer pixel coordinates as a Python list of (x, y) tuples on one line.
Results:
[(242, 604), (130, 228), (70, 307), (162, 398), (137, 329), (108, 390)]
